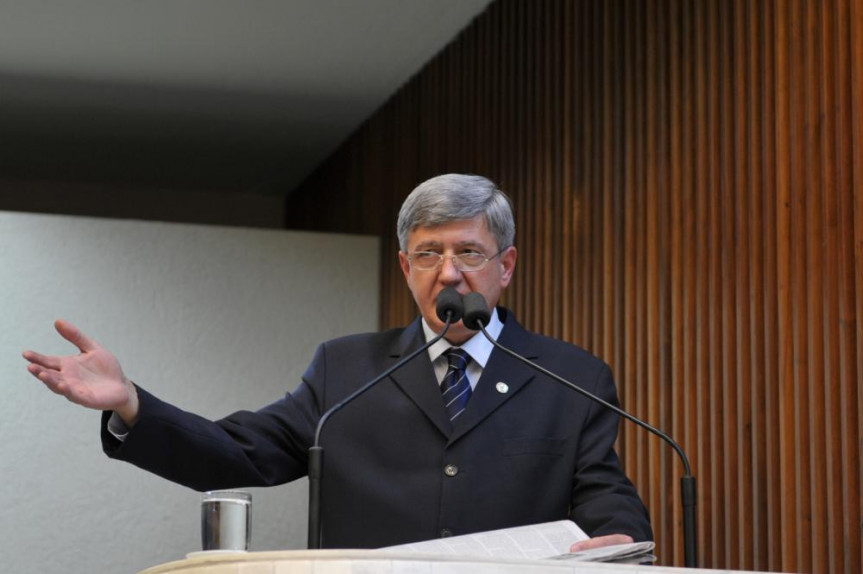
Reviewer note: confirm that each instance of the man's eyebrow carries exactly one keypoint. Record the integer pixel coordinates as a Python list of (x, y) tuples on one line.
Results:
[(473, 244), (426, 245), (432, 244)]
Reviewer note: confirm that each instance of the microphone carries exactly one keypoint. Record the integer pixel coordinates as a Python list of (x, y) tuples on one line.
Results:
[(477, 315), (449, 309)]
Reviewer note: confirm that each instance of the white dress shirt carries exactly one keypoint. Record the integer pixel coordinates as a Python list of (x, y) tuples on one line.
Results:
[(478, 347)]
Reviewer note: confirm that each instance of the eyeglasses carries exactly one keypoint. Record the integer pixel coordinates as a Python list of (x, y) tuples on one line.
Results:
[(469, 261)]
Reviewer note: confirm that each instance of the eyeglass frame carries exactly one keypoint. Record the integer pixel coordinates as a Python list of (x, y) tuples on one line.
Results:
[(452, 258)]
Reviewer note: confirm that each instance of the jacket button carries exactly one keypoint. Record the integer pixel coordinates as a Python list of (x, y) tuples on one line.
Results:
[(445, 533), (450, 470)]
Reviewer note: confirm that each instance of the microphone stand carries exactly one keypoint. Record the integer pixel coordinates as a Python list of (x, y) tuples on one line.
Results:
[(316, 452), (687, 481)]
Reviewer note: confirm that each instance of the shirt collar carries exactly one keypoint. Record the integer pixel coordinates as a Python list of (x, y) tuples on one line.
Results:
[(477, 346)]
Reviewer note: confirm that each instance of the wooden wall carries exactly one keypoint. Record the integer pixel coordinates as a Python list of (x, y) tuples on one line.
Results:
[(687, 179)]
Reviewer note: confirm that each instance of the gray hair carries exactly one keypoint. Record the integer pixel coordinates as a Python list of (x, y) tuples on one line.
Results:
[(456, 197)]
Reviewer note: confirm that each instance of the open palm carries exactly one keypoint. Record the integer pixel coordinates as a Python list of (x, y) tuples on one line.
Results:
[(93, 378)]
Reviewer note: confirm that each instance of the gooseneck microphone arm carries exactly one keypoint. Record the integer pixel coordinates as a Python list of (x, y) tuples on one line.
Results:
[(449, 310), (477, 315)]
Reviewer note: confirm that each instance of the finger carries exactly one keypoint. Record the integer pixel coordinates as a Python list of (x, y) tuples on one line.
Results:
[(34, 369), (71, 333), (58, 385), (601, 541), (52, 379), (44, 360)]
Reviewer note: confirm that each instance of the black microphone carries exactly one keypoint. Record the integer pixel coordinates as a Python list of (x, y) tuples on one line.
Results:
[(476, 317), (449, 310)]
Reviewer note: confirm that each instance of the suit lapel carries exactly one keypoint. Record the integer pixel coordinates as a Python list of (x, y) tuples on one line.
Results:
[(417, 380), (501, 368)]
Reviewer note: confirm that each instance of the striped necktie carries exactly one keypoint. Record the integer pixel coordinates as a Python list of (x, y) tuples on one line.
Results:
[(455, 387)]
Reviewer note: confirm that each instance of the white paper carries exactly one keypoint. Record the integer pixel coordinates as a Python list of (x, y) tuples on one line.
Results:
[(533, 542), (530, 542)]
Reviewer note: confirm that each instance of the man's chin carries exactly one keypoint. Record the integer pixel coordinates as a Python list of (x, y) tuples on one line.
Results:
[(458, 333)]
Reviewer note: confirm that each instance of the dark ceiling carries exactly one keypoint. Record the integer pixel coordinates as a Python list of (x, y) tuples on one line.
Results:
[(202, 94)]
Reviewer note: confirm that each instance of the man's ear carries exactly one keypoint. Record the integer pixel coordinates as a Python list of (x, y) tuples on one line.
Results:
[(507, 264), (405, 264)]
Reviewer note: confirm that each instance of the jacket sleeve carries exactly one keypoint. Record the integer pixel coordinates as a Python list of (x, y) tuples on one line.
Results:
[(604, 501), (261, 448)]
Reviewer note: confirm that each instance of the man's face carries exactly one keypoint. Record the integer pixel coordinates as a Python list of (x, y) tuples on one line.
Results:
[(468, 235)]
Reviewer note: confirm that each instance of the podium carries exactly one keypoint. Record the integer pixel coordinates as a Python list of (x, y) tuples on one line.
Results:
[(386, 562)]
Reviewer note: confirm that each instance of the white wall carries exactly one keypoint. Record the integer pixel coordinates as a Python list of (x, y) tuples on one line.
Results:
[(212, 319)]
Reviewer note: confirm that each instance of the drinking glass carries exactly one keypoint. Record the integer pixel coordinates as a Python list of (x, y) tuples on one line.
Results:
[(226, 520)]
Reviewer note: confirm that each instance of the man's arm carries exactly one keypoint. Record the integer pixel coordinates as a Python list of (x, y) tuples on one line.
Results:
[(244, 449), (604, 500), (241, 450)]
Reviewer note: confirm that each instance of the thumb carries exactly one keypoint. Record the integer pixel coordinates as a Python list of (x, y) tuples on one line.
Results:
[(71, 333)]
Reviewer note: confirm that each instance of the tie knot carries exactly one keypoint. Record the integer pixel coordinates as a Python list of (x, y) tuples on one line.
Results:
[(457, 358)]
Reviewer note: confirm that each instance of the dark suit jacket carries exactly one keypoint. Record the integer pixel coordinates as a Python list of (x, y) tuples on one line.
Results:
[(535, 453)]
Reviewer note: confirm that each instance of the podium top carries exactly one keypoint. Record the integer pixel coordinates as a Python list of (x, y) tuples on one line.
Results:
[(386, 562)]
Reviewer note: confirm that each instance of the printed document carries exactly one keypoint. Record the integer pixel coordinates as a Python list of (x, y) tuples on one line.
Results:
[(532, 542)]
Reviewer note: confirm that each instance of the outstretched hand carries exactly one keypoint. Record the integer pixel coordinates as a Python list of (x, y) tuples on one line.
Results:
[(93, 378)]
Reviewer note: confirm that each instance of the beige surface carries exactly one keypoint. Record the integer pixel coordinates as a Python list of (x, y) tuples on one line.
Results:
[(366, 561), (376, 561)]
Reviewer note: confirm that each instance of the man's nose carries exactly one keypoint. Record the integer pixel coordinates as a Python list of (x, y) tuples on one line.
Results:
[(449, 273)]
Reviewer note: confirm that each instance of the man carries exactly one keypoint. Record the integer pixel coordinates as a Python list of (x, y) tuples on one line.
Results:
[(465, 440)]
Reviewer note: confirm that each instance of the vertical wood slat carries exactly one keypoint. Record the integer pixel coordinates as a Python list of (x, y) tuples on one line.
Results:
[(740, 373), (756, 555), (833, 434), (769, 150), (678, 119), (650, 233), (687, 183), (787, 439), (854, 275), (728, 186), (701, 259)]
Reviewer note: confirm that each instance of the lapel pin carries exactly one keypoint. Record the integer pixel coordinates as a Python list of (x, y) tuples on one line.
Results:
[(502, 388)]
